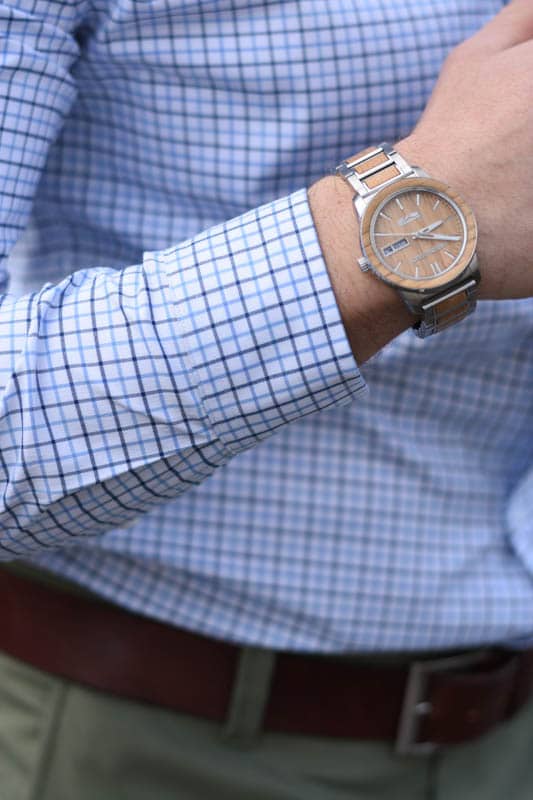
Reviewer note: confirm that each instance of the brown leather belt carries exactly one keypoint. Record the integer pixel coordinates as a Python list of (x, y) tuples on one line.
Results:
[(419, 706)]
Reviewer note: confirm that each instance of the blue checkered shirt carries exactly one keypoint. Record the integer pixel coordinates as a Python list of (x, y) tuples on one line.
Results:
[(183, 428)]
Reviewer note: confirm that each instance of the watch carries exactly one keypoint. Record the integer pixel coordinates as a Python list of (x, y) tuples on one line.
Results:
[(417, 235)]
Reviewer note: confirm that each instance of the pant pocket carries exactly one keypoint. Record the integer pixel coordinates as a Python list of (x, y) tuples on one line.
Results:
[(29, 702)]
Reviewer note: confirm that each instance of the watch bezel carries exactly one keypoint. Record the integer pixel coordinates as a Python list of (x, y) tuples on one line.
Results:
[(431, 283)]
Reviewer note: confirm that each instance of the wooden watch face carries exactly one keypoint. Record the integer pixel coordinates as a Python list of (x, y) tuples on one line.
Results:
[(418, 235)]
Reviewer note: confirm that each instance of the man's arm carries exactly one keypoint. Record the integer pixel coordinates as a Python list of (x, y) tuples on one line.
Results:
[(475, 135), (122, 389)]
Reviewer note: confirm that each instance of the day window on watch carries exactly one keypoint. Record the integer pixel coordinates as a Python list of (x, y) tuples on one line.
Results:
[(394, 247)]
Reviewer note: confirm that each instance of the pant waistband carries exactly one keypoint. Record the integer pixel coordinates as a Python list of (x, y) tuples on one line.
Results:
[(425, 704)]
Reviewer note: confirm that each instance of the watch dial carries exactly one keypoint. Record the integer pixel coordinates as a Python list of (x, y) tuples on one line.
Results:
[(418, 234)]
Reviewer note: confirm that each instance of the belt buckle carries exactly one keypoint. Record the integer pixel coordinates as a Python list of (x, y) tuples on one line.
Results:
[(417, 704)]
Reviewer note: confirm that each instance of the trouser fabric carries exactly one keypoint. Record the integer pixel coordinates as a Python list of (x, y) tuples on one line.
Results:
[(61, 741)]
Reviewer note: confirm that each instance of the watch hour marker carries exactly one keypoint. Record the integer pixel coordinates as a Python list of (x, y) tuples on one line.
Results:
[(399, 203), (437, 204), (386, 216), (435, 268), (418, 198), (447, 253)]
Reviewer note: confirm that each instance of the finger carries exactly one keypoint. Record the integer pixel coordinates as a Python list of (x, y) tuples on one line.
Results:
[(513, 25)]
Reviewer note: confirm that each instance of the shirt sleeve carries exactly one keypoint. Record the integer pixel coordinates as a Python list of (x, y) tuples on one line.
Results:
[(37, 90), (120, 389)]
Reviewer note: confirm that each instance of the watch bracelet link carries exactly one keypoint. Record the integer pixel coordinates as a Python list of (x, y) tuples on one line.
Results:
[(446, 309), (374, 168), (371, 170)]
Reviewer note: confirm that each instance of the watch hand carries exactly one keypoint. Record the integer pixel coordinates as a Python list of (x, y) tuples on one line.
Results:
[(402, 234), (431, 227), (425, 230), (437, 237)]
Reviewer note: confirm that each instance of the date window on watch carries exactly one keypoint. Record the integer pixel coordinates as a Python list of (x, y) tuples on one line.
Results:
[(395, 247)]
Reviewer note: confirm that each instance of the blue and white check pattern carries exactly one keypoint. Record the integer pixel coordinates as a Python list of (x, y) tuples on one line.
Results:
[(130, 132)]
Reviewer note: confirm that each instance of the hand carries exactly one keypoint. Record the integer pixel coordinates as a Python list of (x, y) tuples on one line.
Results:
[(477, 135)]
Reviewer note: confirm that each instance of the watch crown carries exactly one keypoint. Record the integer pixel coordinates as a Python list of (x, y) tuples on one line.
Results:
[(364, 263)]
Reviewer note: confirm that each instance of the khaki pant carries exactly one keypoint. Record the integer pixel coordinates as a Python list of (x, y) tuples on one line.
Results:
[(62, 742)]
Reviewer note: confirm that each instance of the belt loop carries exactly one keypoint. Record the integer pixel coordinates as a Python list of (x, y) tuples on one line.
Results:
[(249, 695)]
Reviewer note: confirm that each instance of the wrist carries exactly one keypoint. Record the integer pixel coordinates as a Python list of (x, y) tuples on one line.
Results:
[(372, 312)]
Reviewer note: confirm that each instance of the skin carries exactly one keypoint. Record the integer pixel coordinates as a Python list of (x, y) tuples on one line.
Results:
[(476, 135)]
